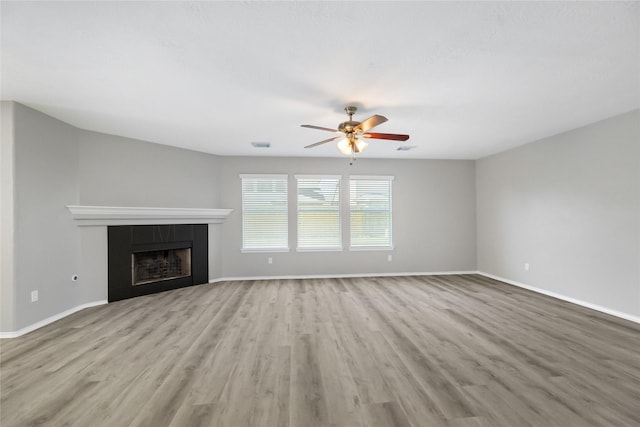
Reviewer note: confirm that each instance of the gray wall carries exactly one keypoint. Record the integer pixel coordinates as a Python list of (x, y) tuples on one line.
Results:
[(117, 171), (7, 283), (55, 164), (47, 242), (568, 205), (433, 218)]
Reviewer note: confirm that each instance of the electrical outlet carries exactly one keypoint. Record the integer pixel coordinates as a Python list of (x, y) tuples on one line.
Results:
[(389, 258), (526, 266), (270, 260), (34, 296)]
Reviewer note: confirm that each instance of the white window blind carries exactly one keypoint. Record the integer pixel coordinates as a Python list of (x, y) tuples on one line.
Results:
[(370, 209), (319, 213), (264, 212)]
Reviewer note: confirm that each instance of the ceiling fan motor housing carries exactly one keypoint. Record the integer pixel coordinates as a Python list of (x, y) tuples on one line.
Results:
[(348, 126)]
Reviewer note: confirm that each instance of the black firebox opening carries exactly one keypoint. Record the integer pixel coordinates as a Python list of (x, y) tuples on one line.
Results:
[(158, 265), (145, 259)]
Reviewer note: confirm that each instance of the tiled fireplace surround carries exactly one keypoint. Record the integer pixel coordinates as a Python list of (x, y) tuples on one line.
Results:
[(94, 222)]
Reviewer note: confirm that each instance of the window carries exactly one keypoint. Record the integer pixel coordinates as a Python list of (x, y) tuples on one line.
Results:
[(264, 213), (370, 212), (319, 213)]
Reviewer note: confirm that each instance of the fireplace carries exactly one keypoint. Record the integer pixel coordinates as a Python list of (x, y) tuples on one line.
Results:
[(145, 259), (158, 265)]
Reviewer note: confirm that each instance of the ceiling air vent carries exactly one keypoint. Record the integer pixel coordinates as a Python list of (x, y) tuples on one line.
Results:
[(261, 144)]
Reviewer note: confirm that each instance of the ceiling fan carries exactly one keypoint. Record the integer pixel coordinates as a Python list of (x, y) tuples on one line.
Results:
[(351, 132)]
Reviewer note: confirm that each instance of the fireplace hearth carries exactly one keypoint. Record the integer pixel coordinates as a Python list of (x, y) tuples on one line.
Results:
[(145, 259)]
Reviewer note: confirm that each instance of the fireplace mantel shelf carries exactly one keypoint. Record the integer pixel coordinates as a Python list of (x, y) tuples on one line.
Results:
[(118, 215)]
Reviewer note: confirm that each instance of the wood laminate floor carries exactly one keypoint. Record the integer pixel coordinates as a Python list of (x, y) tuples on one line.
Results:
[(455, 351)]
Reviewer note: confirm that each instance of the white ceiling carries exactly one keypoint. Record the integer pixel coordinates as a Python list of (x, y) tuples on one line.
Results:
[(465, 80)]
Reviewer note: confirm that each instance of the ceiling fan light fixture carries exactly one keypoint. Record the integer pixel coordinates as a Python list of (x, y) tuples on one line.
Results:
[(345, 147), (360, 145)]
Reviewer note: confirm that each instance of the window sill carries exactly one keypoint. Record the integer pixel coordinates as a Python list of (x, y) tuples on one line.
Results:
[(371, 248), (256, 251), (335, 249)]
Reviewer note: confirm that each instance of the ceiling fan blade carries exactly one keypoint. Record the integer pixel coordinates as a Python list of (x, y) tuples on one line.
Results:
[(325, 141), (318, 127), (392, 136), (370, 123)]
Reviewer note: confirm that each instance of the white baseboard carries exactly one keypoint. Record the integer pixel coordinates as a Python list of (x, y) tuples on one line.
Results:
[(622, 315), (338, 276), (51, 319), (596, 307), (66, 313)]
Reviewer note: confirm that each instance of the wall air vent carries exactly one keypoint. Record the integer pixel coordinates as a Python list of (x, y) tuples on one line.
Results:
[(261, 144)]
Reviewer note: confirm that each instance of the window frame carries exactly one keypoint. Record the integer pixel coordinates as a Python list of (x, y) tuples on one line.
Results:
[(340, 246), (273, 177), (389, 179)]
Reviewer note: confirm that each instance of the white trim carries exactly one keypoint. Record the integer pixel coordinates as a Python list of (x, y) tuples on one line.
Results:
[(51, 319), (125, 215), (338, 276), (373, 177), (69, 312), (263, 250), (321, 249), (339, 177), (371, 248), (264, 176), (596, 307), (609, 311)]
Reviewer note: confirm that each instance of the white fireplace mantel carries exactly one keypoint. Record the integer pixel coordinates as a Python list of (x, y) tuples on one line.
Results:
[(118, 215)]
